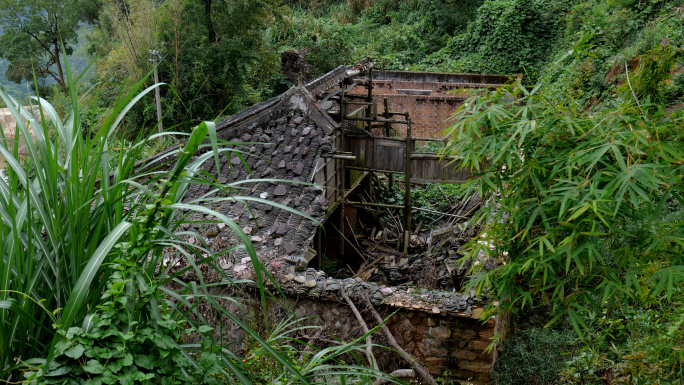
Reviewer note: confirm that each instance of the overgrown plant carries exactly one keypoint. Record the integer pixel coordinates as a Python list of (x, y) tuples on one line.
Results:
[(575, 199), (83, 243)]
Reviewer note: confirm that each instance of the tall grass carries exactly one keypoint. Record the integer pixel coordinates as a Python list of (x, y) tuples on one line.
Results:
[(74, 208)]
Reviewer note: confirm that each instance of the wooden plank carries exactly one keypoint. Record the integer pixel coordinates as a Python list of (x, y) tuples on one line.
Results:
[(387, 155), (380, 120), (390, 142)]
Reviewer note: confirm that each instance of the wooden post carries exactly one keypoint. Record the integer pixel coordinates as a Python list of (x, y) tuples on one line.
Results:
[(155, 60), (369, 99), (407, 187), (371, 112), (388, 126), (387, 116), (343, 113)]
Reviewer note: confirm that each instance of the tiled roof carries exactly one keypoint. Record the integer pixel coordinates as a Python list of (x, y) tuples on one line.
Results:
[(281, 142)]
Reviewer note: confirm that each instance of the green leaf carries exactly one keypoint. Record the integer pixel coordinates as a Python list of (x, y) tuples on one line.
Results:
[(168, 324), (93, 367), (75, 352), (145, 361), (60, 371), (207, 359), (61, 346), (164, 342), (80, 291), (127, 360)]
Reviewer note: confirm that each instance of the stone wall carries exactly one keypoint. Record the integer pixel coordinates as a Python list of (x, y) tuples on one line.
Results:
[(444, 343)]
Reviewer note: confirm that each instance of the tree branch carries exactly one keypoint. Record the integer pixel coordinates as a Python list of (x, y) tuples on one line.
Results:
[(369, 348), (424, 374)]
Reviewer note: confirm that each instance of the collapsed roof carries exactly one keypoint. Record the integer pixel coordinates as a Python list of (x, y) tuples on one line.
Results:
[(282, 140)]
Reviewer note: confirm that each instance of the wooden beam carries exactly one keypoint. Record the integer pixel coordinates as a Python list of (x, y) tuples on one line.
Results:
[(366, 119), (402, 208), (388, 127), (339, 156), (432, 155), (369, 100), (368, 169), (428, 139), (375, 205)]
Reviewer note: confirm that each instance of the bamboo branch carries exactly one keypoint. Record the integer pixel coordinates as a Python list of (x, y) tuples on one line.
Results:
[(309, 347)]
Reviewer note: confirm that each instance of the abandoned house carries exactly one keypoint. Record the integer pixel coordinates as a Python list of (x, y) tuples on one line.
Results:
[(318, 149)]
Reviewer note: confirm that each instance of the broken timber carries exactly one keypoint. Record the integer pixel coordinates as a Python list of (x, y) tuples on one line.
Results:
[(403, 208)]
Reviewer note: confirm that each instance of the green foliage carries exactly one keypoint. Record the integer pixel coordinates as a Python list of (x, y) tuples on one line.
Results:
[(66, 267), (534, 356), (576, 201), (636, 345), (507, 37), (450, 16), (622, 32), (214, 56), (650, 77), (33, 33), (230, 42), (395, 34), (429, 196), (86, 243), (118, 345)]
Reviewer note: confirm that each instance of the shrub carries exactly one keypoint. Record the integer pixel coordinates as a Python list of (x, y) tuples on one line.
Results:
[(633, 345), (507, 37), (648, 81), (534, 356), (576, 198)]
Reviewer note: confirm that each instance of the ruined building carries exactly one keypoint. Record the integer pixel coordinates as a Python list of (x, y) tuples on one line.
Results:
[(320, 145)]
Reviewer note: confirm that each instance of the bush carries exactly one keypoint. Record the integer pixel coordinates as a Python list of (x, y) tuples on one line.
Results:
[(120, 344), (648, 81), (633, 345), (576, 198), (507, 37), (448, 16), (534, 356)]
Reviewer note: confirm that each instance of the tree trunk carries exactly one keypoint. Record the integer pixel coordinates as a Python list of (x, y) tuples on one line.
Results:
[(60, 70), (207, 19)]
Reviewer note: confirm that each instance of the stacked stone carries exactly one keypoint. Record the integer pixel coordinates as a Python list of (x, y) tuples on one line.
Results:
[(314, 283)]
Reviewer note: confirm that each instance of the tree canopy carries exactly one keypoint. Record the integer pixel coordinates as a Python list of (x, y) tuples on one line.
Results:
[(33, 33)]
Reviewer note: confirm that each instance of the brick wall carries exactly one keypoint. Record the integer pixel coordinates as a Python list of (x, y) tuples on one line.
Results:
[(431, 107), (443, 343)]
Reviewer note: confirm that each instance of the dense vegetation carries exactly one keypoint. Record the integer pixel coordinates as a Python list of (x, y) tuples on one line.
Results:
[(583, 166), (584, 170), (88, 241)]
